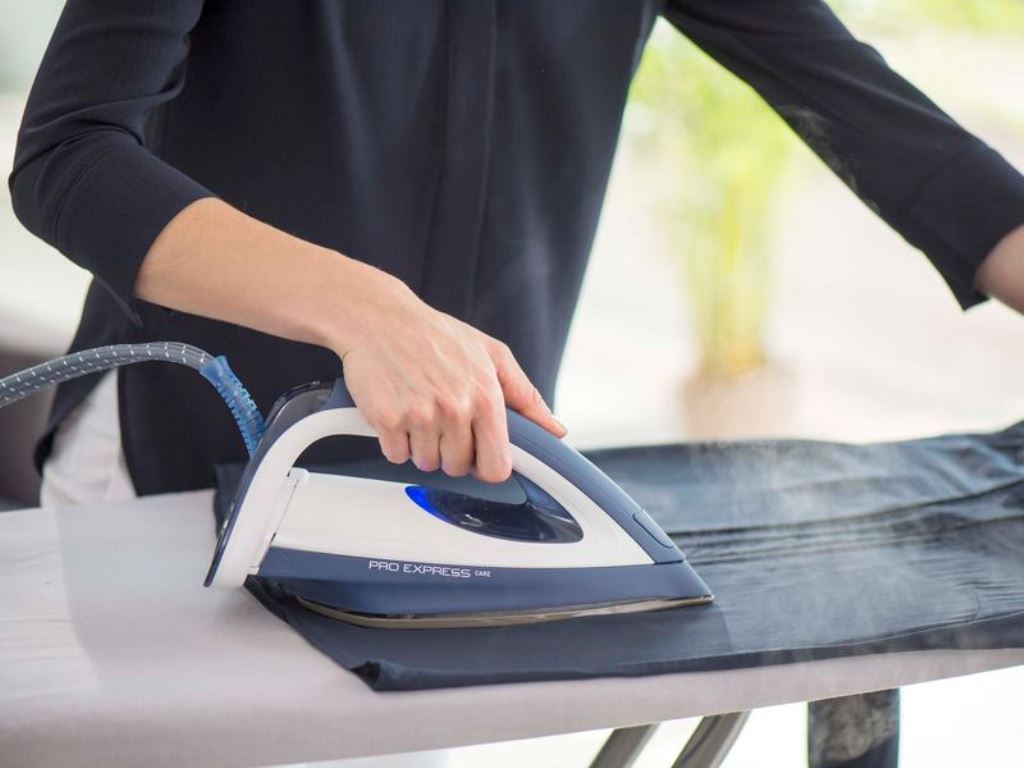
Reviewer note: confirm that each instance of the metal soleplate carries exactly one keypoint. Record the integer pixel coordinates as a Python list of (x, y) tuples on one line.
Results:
[(469, 620)]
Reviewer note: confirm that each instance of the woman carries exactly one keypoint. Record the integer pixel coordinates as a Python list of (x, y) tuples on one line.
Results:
[(410, 188)]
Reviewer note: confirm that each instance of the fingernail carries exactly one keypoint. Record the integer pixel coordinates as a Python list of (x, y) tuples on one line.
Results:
[(564, 428)]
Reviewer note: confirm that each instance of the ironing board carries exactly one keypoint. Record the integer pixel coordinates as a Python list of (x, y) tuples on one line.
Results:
[(112, 653)]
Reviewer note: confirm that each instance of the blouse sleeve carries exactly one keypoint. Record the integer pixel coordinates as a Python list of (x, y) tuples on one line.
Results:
[(83, 179)]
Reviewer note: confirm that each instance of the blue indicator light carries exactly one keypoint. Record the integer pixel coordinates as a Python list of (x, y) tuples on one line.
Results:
[(524, 521), (421, 496)]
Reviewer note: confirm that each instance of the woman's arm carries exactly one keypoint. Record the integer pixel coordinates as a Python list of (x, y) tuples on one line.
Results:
[(434, 388), (935, 183), (84, 181)]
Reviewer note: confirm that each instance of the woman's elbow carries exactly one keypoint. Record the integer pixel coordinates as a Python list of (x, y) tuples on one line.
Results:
[(26, 201), (47, 169)]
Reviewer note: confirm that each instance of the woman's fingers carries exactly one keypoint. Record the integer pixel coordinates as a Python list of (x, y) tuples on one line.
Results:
[(457, 448), (461, 427), (394, 444), (490, 435), (520, 393), (424, 435)]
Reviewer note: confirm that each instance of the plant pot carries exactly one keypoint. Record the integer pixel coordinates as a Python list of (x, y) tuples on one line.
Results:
[(759, 403)]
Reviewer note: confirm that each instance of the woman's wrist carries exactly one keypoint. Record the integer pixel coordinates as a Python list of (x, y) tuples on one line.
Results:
[(1001, 274), (353, 294)]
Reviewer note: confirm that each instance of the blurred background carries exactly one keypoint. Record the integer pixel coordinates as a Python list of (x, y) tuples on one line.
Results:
[(736, 289)]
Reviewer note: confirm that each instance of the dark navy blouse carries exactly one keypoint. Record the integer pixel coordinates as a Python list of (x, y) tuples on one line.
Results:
[(462, 145)]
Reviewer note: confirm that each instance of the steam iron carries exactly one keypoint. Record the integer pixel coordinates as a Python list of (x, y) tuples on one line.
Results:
[(383, 553)]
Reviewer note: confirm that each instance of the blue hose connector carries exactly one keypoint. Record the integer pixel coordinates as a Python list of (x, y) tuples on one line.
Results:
[(243, 408)]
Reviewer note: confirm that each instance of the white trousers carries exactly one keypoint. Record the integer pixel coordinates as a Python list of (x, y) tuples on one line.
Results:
[(87, 466)]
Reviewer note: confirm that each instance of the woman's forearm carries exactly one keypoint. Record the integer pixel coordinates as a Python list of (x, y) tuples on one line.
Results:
[(1001, 274), (215, 261)]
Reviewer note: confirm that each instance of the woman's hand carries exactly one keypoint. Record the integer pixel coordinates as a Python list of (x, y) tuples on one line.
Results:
[(434, 388)]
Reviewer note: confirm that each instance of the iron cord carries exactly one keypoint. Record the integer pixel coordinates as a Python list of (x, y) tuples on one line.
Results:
[(214, 369)]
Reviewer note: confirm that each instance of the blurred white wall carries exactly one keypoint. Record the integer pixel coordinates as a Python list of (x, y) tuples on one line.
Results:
[(24, 31), (41, 292)]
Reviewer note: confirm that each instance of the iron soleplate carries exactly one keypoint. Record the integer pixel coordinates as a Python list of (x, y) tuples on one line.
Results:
[(470, 620)]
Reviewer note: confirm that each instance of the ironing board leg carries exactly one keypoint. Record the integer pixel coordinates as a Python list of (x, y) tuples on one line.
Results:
[(623, 747), (712, 740)]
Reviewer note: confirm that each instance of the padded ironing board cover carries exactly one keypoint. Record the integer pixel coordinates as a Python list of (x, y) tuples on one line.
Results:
[(813, 550)]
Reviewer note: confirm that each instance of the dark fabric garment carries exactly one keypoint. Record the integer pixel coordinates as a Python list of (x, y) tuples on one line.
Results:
[(885, 755), (813, 550), (462, 145), (860, 731)]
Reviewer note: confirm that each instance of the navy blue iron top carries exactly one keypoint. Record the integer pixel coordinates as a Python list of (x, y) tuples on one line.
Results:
[(461, 145)]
